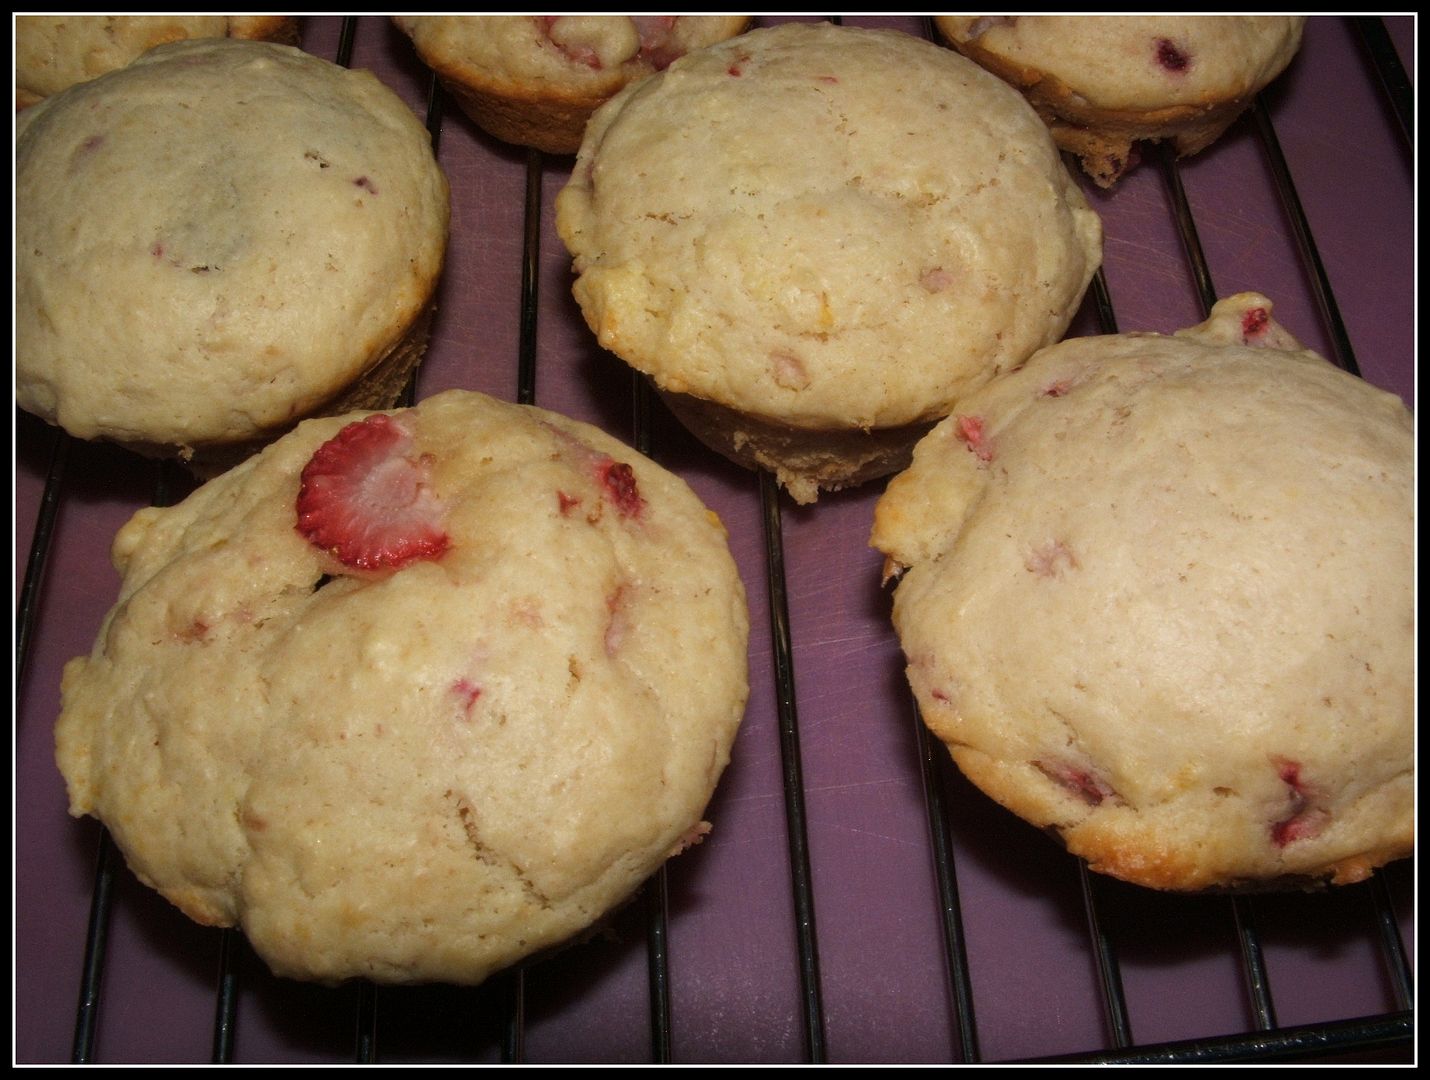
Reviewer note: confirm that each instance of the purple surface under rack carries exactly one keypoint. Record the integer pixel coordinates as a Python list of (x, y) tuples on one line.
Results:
[(811, 925)]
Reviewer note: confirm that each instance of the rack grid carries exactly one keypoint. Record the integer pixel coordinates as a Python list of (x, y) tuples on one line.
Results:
[(858, 900)]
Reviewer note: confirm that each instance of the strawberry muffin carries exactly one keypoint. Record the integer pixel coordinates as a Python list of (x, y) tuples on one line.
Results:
[(1159, 599), (218, 240), (408, 695), (1104, 83), (535, 80), (54, 52), (815, 239)]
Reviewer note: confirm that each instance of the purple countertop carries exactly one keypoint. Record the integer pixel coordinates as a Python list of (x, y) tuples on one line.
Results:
[(734, 974)]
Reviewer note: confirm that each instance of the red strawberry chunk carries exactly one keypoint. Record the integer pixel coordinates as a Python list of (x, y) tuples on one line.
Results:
[(466, 693), (1306, 819), (970, 430), (1254, 322), (619, 480), (1290, 773), (366, 502), (1171, 57), (1310, 822), (1085, 785)]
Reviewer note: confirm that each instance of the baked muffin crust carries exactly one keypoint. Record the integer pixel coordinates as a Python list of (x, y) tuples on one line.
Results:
[(217, 240), (535, 80), (425, 768), (1159, 601), (1105, 82), (54, 52), (828, 229)]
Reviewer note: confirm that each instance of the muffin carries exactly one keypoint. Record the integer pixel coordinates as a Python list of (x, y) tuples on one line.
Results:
[(1159, 601), (815, 239), (535, 80), (217, 241), (53, 52), (409, 695), (1104, 83)]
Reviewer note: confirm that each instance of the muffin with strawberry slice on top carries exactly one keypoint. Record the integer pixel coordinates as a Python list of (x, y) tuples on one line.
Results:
[(407, 696)]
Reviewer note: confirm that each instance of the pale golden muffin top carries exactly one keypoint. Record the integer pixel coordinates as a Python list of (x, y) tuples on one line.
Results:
[(53, 52), (1160, 599), (825, 227), (576, 55), (1139, 62), (412, 695), (215, 240)]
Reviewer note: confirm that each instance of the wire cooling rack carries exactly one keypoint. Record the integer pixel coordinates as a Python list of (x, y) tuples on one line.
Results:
[(858, 901)]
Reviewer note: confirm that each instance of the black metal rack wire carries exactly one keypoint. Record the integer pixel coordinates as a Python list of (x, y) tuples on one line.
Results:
[(1380, 1037)]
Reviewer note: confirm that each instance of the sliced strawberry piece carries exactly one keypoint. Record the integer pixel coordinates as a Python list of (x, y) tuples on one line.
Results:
[(366, 502)]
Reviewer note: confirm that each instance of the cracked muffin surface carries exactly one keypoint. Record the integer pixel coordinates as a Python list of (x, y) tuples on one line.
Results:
[(1159, 600), (409, 695)]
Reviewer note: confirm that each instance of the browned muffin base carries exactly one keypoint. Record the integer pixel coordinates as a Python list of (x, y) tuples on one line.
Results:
[(805, 461), (1167, 867), (552, 124), (1104, 140)]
